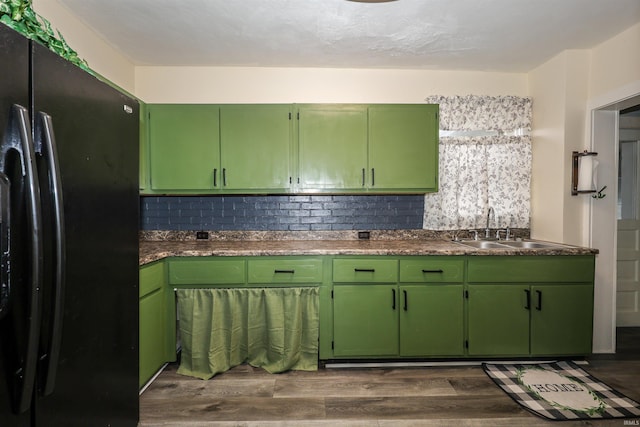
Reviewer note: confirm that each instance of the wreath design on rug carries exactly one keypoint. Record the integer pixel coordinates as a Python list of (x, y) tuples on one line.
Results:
[(560, 391)]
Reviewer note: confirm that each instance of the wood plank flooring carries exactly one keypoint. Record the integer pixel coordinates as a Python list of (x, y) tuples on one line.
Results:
[(380, 396)]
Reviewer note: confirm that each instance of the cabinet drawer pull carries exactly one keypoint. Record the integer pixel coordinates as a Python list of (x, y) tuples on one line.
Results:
[(373, 177), (224, 177), (433, 271), (528, 303), (406, 302), (215, 177), (363, 179), (284, 271), (539, 306), (393, 296), (364, 270)]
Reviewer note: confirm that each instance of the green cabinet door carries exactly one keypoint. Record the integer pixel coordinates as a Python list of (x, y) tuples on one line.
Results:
[(498, 319), (332, 147), (255, 147), (143, 180), (561, 319), (151, 342), (431, 320), (403, 147), (184, 146), (152, 324), (365, 320)]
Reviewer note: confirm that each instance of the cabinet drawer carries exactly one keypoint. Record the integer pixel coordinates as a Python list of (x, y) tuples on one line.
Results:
[(285, 271), (436, 270), (205, 271), (151, 278), (531, 269), (366, 270)]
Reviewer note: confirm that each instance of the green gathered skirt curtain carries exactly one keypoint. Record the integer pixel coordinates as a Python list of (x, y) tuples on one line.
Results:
[(272, 328)]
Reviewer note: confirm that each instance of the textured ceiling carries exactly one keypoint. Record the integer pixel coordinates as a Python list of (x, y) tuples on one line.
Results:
[(492, 35)]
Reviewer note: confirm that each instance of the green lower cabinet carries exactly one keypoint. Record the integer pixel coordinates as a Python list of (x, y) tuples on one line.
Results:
[(151, 335), (389, 320), (152, 324), (365, 320), (498, 320), (535, 320), (431, 320), (561, 319)]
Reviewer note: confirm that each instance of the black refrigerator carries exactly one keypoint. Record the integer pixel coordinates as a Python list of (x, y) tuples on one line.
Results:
[(68, 243)]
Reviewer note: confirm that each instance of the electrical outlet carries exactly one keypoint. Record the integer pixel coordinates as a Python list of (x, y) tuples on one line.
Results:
[(202, 235), (364, 235)]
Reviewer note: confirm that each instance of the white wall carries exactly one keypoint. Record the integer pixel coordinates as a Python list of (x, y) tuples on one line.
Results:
[(615, 77), (615, 64), (559, 90), (300, 85), (101, 57), (565, 90)]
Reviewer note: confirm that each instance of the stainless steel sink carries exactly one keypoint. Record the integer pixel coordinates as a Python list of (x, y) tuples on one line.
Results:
[(508, 244), (529, 245), (482, 244)]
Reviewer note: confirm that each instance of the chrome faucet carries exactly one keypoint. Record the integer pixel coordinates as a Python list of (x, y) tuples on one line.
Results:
[(507, 233), (487, 232)]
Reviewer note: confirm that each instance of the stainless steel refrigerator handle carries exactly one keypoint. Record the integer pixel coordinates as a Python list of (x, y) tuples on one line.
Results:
[(5, 248), (51, 156), (26, 376)]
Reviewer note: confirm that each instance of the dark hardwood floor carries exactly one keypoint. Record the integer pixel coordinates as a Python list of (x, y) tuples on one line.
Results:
[(379, 396)]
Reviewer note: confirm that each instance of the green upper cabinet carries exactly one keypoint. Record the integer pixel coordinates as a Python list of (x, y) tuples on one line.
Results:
[(332, 147), (403, 148), (255, 144), (143, 171), (261, 148), (184, 147)]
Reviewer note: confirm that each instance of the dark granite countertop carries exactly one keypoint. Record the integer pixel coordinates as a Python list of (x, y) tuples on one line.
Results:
[(152, 250)]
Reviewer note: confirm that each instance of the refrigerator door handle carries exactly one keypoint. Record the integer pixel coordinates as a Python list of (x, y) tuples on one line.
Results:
[(25, 377), (5, 246), (47, 148)]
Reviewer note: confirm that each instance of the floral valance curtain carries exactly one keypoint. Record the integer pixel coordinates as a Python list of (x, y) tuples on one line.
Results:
[(485, 161)]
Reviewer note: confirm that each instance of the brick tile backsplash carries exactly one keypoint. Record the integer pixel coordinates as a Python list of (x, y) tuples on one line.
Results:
[(282, 213)]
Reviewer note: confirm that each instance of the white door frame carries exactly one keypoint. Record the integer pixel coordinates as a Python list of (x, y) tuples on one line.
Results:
[(604, 112)]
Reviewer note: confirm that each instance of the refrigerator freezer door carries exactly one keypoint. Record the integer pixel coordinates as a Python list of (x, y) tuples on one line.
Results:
[(14, 89)]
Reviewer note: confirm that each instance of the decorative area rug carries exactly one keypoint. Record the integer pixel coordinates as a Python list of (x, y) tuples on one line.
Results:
[(561, 391)]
